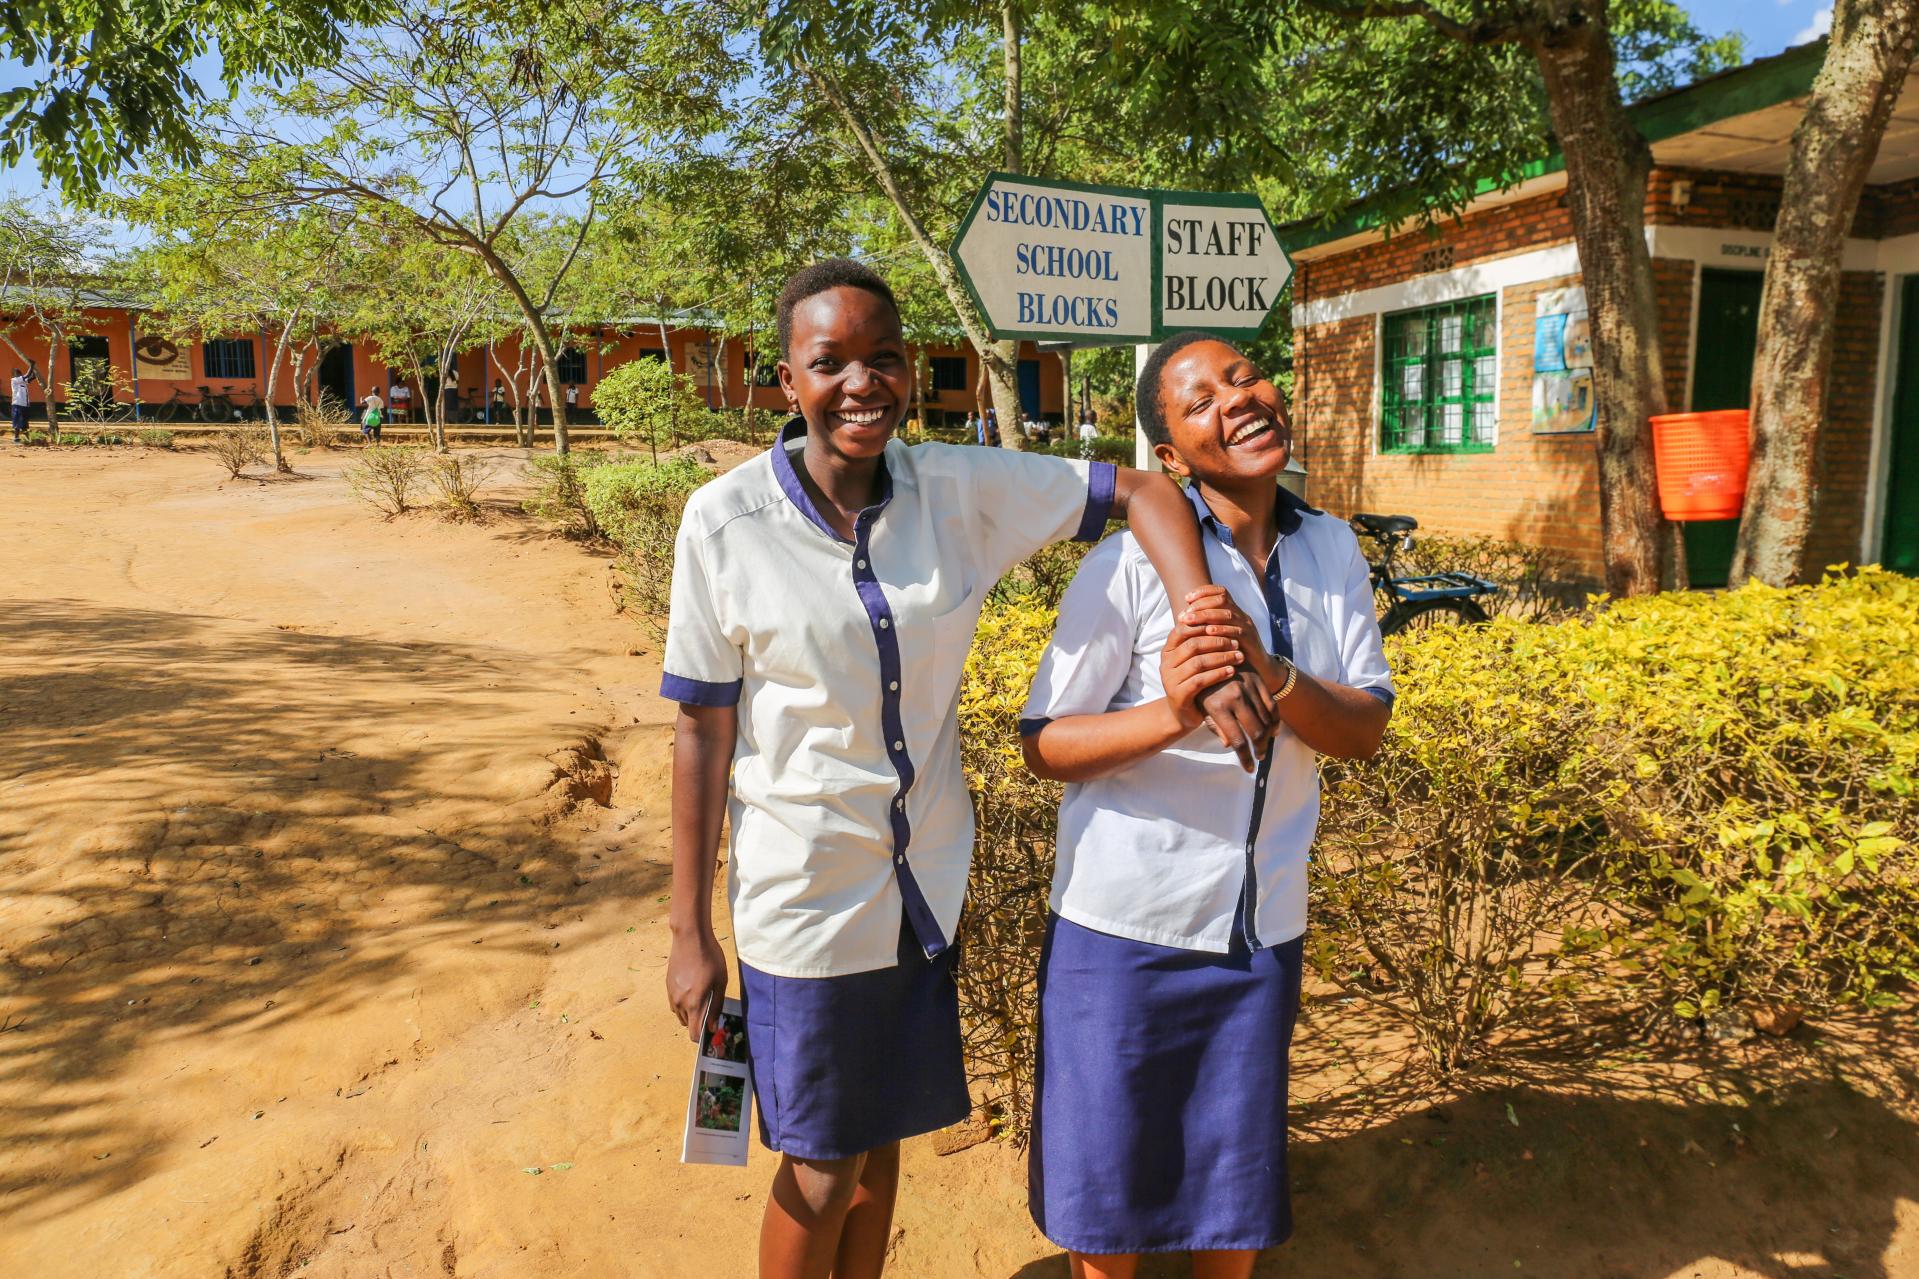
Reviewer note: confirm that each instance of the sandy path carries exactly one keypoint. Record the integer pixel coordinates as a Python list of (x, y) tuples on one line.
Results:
[(299, 972)]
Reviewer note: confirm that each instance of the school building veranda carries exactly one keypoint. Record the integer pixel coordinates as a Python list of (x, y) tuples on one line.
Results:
[(168, 377), (1447, 375)]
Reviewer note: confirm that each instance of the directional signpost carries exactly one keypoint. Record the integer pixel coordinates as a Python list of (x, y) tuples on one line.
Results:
[(1098, 266), (1088, 265)]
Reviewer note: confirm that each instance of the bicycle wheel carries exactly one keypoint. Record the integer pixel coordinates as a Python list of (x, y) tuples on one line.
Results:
[(1422, 615)]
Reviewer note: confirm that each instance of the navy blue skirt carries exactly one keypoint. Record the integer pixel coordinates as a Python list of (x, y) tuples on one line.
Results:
[(1160, 1119), (843, 1065)]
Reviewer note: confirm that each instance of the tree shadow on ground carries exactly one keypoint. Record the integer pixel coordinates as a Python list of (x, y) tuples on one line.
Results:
[(262, 847), (1781, 1160)]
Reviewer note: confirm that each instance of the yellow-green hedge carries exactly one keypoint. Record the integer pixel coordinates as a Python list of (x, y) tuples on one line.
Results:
[(1675, 803)]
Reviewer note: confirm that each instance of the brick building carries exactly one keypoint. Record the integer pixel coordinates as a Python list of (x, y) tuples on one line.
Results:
[(169, 373), (1439, 374)]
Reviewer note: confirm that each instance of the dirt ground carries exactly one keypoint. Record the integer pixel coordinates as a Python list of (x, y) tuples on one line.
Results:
[(334, 859)]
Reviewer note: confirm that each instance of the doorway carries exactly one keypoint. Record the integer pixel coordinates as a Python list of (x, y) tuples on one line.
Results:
[(89, 386), (1899, 543), (336, 376), (1722, 379), (1029, 389)]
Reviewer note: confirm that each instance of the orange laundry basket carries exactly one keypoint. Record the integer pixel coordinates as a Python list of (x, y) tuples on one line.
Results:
[(1701, 462)]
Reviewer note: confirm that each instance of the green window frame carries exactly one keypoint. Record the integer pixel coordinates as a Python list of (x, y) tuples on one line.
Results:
[(1439, 376)]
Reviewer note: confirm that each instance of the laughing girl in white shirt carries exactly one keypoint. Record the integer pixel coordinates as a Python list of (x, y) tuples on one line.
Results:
[(1170, 976)]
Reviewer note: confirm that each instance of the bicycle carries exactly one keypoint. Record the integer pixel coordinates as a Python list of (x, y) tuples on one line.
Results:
[(1421, 601), (215, 408), (174, 408)]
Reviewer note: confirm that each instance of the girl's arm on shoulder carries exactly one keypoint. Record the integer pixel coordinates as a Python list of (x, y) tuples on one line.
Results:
[(1163, 523), (703, 738), (1079, 748)]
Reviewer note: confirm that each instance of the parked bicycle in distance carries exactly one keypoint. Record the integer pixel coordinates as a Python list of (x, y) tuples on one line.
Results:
[(1417, 601)]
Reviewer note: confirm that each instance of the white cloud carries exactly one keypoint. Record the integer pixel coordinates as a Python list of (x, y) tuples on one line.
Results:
[(1821, 24)]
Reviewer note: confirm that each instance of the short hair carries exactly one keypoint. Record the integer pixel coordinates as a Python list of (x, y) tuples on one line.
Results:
[(833, 273), (1146, 399)]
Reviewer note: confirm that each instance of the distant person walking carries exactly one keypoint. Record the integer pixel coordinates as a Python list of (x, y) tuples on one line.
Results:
[(374, 409), (992, 428), (975, 428), (23, 398), (399, 398)]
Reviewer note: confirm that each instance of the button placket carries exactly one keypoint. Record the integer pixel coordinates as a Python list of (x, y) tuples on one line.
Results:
[(919, 912)]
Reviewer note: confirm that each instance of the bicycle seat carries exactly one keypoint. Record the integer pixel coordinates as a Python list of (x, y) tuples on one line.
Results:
[(1386, 525)]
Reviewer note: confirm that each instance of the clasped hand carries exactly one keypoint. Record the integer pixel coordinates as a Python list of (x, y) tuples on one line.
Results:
[(1217, 672)]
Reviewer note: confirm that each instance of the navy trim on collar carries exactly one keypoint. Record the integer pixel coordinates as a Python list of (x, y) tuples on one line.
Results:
[(795, 488), (1289, 514)]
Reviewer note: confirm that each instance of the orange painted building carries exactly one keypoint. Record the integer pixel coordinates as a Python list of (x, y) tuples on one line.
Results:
[(167, 373)]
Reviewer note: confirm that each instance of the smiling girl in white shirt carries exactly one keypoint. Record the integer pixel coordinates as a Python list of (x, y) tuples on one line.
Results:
[(824, 598)]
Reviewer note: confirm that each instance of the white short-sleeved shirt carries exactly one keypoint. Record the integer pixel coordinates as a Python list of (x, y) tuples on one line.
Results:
[(374, 401), (848, 806), (1172, 849), (396, 393), (21, 395)]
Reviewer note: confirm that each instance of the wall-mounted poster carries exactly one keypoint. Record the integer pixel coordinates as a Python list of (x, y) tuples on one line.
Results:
[(1562, 362), (705, 363), (160, 359)]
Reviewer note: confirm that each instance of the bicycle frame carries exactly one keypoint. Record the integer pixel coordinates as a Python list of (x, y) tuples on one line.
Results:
[(1421, 587)]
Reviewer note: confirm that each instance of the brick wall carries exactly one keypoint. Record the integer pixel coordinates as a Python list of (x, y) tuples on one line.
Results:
[(1542, 489), (1845, 452)]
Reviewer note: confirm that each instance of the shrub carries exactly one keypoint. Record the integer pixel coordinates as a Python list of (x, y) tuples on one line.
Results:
[(1117, 449), (155, 438), (319, 424), (38, 439), (71, 440), (559, 489), (1015, 814), (1667, 806), (239, 447), (1536, 582), (457, 478), (638, 506), (646, 402), (386, 476)]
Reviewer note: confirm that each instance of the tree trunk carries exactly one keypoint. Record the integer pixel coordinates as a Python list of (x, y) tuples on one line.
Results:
[(536, 327), (1001, 362), (666, 349), (272, 384), (1013, 111), (1607, 162), (1867, 57), (1069, 423), (49, 383), (997, 358)]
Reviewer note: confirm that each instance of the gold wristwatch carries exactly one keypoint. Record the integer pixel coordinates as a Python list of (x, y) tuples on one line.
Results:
[(1292, 678)]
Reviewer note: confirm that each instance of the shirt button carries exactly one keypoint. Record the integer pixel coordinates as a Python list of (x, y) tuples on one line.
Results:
[(900, 804), (893, 685), (885, 624), (859, 563), (899, 746)]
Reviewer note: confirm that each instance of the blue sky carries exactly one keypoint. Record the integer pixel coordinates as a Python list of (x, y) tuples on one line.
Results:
[(1768, 25)]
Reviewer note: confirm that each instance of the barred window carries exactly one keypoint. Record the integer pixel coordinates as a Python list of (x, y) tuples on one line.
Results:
[(572, 365), (229, 357), (949, 372), (1440, 370)]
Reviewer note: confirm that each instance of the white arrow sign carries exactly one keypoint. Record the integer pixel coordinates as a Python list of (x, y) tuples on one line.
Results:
[(1221, 267), (1052, 261)]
